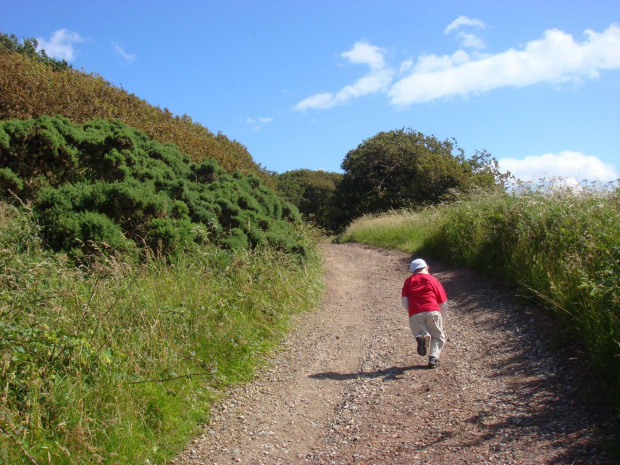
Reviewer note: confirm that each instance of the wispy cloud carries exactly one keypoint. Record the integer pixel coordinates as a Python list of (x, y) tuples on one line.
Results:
[(463, 21), (377, 79), (467, 39), (129, 57), (470, 40), (555, 58), (257, 123), (573, 167), (60, 45)]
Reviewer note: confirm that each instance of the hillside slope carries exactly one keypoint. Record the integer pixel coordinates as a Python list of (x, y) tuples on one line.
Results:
[(29, 88)]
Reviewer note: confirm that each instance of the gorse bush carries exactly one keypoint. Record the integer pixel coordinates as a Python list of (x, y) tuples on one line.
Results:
[(105, 185), (193, 268), (557, 244), (120, 365)]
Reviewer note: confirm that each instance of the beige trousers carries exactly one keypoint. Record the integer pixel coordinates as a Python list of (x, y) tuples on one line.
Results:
[(430, 323)]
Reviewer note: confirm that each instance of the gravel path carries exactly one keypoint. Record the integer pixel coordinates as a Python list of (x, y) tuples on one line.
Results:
[(349, 388)]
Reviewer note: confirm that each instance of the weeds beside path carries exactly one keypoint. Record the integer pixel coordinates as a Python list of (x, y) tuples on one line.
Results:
[(349, 388)]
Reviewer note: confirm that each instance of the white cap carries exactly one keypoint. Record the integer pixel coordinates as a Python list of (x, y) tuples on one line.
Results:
[(417, 264)]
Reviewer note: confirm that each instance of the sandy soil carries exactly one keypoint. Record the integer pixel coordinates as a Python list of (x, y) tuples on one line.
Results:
[(349, 388)]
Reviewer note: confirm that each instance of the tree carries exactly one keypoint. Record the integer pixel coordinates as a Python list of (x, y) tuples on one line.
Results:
[(405, 168), (11, 44), (311, 192)]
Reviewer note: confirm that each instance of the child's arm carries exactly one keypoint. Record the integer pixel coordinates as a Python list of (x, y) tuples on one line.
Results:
[(405, 301), (443, 309)]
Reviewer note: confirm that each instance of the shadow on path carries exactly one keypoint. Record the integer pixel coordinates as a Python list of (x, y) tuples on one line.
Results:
[(388, 373)]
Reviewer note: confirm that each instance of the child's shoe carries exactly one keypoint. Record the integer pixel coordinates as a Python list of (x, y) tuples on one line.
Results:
[(433, 362), (423, 344)]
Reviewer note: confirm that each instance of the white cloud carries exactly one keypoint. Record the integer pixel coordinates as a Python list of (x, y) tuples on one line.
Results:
[(378, 79), (571, 166), (320, 101), (262, 120), (432, 63), (130, 57), (364, 53), (467, 39), (554, 58), (464, 21), (60, 45), (258, 123), (470, 40)]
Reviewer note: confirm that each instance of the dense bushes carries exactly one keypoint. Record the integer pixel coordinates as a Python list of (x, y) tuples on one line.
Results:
[(312, 192), (121, 363), (396, 169), (103, 184)]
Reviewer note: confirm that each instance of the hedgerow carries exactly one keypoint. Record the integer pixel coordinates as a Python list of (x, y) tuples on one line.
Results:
[(102, 185)]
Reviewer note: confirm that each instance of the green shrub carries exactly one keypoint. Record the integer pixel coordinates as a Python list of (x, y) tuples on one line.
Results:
[(78, 174), (168, 236), (9, 182), (312, 192), (235, 239)]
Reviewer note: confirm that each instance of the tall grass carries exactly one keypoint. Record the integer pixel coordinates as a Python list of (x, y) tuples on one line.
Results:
[(555, 243), (403, 230), (120, 364)]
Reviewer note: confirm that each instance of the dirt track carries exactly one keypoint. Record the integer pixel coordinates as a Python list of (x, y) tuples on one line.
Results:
[(349, 388)]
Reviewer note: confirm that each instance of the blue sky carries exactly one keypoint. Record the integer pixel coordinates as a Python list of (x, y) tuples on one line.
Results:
[(300, 83)]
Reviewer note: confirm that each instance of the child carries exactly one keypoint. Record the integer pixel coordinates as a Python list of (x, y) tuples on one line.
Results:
[(425, 299)]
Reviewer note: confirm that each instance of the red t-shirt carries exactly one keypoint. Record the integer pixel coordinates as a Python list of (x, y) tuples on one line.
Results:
[(425, 293)]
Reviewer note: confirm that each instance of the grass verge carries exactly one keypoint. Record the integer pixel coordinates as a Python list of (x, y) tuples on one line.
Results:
[(119, 364)]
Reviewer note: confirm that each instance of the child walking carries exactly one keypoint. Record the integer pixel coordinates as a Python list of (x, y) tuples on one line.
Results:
[(425, 299)]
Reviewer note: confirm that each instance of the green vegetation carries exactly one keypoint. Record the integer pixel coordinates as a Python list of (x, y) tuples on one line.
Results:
[(147, 264), (557, 245), (186, 277), (391, 170), (102, 185), (312, 192), (120, 364), (30, 88), (406, 230), (145, 267), (405, 168)]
